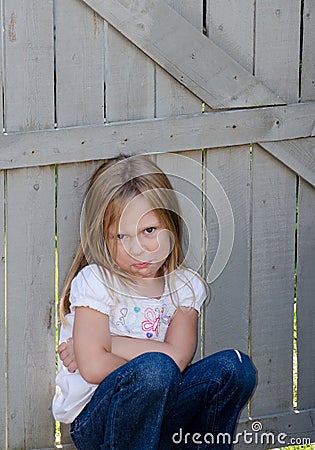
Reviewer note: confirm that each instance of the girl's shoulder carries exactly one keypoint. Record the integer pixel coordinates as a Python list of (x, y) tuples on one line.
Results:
[(186, 277), (191, 289), (90, 287)]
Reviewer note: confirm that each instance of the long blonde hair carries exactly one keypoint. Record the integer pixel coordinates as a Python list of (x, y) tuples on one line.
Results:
[(111, 187)]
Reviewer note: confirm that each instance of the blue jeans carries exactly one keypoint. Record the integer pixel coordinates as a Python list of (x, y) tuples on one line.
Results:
[(147, 404)]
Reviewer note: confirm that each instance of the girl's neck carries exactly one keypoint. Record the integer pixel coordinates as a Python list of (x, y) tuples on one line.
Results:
[(150, 287)]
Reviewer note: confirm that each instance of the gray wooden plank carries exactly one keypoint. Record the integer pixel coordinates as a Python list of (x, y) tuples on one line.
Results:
[(30, 305), (3, 340), (80, 67), (230, 25), (227, 319), (209, 130), (156, 29), (29, 64), (73, 180), (129, 80), (171, 97), (298, 154), (272, 282), (277, 46), (185, 171), (185, 174), (305, 296), (308, 57)]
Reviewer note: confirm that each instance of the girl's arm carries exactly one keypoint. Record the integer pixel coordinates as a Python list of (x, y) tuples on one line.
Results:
[(180, 340), (92, 345)]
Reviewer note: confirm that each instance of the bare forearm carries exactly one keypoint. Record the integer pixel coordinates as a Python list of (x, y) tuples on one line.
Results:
[(97, 368), (129, 348)]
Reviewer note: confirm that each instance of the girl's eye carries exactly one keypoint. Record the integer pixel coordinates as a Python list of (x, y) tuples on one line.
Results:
[(120, 236), (149, 230)]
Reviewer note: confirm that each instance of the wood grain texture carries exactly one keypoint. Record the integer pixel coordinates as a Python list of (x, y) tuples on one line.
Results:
[(73, 180), (171, 97), (29, 65), (156, 29), (305, 296), (3, 339), (308, 56), (80, 63), (272, 282), (227, 315), (129, 80), (30, 318), (230, 25), (209, 130), (298, 154), (277, 46)]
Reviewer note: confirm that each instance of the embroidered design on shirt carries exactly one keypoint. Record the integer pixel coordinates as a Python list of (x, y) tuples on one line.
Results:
[(151, 322)]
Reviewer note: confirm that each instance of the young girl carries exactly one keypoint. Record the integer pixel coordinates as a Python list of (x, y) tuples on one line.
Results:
[(132, 308)]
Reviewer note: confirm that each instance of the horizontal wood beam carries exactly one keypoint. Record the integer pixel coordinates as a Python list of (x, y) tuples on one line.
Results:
[(185, 53), (208, 130)]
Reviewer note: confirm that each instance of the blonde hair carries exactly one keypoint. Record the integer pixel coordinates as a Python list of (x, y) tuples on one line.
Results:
[(111, 187)]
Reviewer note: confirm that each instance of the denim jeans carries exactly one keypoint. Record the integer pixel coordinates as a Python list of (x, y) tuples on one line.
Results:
[(147, 404)]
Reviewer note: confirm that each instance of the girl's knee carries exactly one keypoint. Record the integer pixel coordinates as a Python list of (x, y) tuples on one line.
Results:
[(241, 370), (156, 370), (236, 369)]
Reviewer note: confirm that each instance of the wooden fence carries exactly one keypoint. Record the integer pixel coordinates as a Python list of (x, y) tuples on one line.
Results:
[(229, 84)]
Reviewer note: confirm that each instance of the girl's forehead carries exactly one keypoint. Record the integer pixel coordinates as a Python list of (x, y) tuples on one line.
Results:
[(138, 212)]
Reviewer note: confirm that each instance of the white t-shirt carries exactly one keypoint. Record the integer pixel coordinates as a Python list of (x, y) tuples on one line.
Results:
[(129, 315)]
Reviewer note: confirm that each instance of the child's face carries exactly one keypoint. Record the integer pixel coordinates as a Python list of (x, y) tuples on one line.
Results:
[(142, 242)]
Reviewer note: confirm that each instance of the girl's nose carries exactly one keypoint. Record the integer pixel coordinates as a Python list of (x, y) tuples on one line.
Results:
[(135, 248)]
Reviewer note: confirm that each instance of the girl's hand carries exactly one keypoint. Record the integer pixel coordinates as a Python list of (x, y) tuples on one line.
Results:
[(66, 354)]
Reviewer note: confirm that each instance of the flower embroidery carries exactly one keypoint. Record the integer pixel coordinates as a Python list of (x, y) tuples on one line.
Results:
[(151, 322)]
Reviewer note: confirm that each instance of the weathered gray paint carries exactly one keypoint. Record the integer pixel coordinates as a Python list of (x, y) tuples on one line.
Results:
[(148, 111)]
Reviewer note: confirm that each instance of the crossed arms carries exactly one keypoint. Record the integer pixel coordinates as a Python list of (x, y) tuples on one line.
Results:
[(96, 353)]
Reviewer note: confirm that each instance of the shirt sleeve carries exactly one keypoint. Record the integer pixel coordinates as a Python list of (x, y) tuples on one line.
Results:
[(193, 291), (89, 289)]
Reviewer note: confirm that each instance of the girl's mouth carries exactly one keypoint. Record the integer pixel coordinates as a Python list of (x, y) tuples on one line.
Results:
[(141, 265)]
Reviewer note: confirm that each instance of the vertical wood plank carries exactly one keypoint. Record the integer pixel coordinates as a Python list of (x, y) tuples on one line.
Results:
[(308, 56), (80, 74), (277, 46), (31, 328), (3, 349), (174, 99), (305, 297), (185, 173), (171, 97), (80, 67), (29, 64), (129, 80), (272, 282), (227, 317), (230, 24), (73, 180)]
